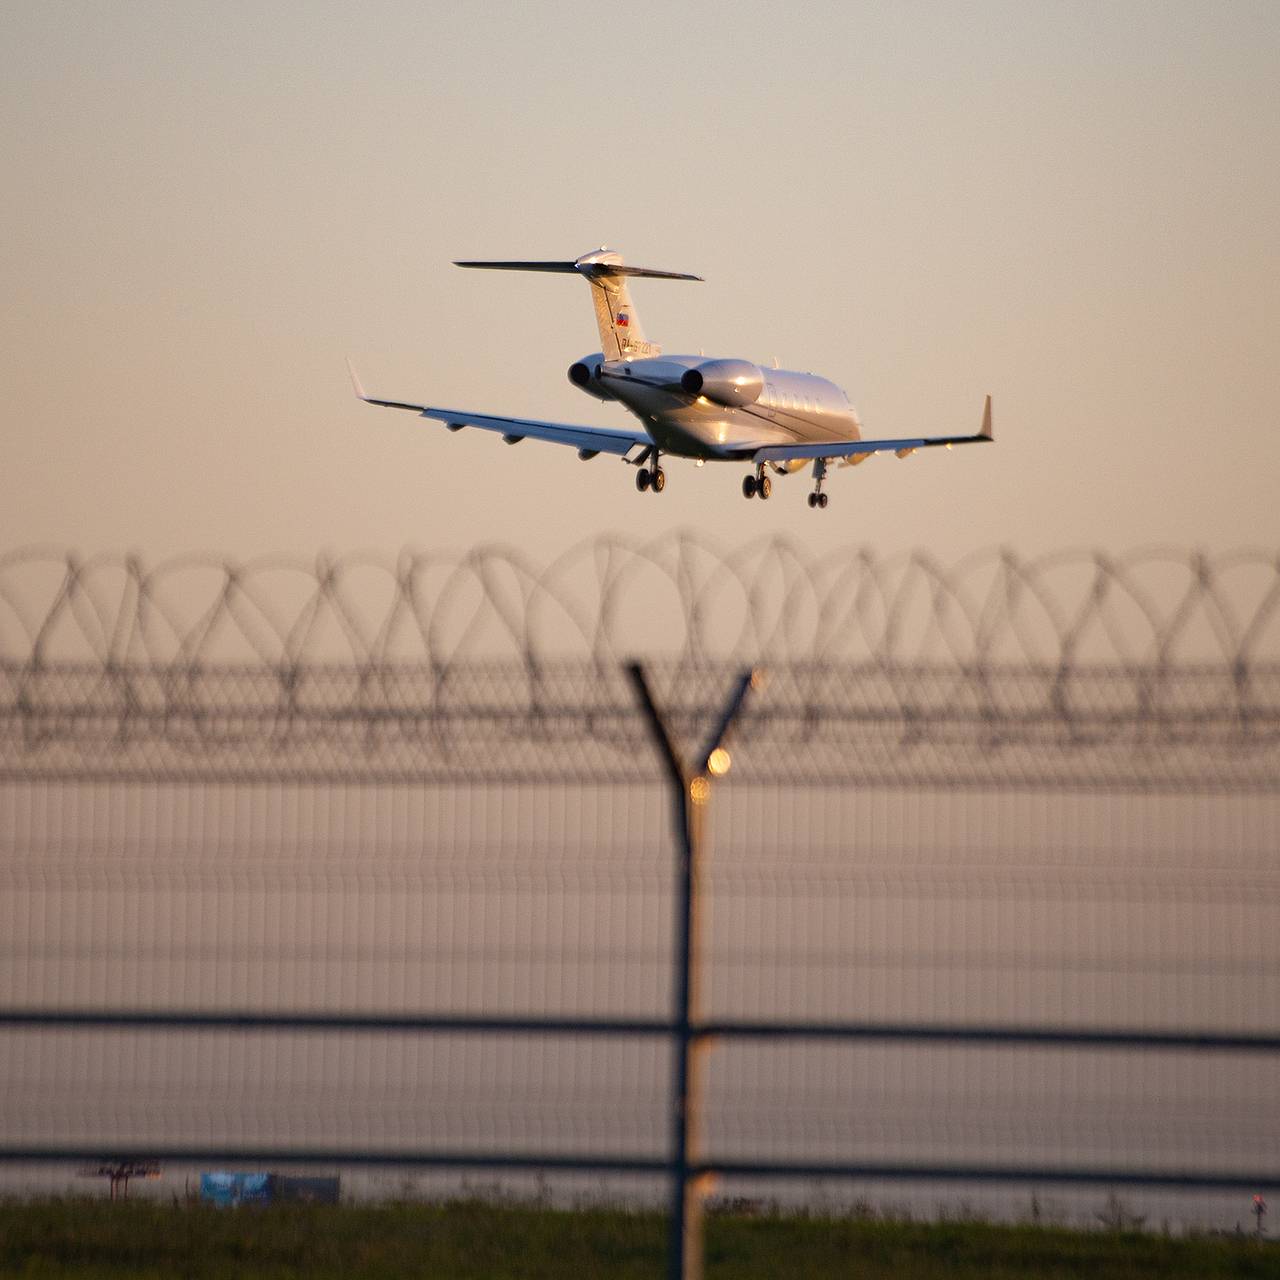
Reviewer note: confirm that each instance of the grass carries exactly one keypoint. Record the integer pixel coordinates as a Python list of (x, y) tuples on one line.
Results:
[(466, 1240)]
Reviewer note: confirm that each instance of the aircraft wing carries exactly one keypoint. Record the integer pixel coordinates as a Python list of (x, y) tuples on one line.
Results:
[(587, 440), (851, 448)]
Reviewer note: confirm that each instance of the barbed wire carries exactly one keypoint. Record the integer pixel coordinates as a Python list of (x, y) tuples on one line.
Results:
[(611, 597), (1154, 669)]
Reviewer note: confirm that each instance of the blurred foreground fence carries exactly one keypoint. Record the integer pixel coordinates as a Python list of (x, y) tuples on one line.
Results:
[(372, 864)]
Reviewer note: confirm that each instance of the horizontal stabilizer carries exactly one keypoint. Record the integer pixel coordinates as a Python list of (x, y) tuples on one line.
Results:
[(569, 267), (593, 270), (621, 336), (623, 270)]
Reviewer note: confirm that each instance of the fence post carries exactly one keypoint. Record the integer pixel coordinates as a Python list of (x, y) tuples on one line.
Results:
[(691, 797)]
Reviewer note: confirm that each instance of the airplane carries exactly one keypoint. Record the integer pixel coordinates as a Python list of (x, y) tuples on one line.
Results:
[(710, 410)]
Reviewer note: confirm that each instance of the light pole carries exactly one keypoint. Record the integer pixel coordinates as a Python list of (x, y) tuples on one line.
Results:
[(691, 796)]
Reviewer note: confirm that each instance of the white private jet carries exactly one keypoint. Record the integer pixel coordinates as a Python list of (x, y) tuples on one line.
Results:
[(723, 410)]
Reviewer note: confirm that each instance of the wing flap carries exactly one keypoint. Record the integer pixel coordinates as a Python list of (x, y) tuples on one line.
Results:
[(853, 448), (594, 439), (587, 440)]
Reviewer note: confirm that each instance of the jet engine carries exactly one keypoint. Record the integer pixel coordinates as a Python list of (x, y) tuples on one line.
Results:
[(585, 374), (732, 383)]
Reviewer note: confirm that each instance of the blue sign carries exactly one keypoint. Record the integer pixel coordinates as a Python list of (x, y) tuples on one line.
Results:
[(235, 1188)]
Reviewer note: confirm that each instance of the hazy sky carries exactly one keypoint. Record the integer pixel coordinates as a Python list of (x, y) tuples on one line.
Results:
[(1073, 206)]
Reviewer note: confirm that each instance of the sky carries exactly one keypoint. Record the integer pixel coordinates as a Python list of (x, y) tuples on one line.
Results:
[(1072, 206)]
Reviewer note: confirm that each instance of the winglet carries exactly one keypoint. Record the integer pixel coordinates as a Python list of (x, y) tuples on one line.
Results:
[(368, 399), (360, 392), (986, 432)]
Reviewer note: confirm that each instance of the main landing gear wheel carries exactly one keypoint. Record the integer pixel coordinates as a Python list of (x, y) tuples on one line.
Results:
[(764, 486), (658, 480), (642, 479), (748, 486)]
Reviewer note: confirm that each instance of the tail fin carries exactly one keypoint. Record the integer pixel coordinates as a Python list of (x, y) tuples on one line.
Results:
[(620, 333)]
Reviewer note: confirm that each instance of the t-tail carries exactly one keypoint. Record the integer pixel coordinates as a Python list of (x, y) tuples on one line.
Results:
[(621, 336)]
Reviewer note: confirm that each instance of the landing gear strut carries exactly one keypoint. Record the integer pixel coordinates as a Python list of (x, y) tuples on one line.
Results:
[(817, 498), (758, 483)]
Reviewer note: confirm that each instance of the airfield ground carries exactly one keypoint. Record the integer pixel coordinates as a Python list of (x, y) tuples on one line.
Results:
[(83, 1238)]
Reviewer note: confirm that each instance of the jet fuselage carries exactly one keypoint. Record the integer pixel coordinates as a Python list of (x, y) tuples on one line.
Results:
[(702, 407)]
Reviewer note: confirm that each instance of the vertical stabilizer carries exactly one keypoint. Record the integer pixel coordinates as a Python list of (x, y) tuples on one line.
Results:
[(621, 336)]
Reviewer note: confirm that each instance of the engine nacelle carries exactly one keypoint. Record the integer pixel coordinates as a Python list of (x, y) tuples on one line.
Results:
[(732, 383), (585, 374)]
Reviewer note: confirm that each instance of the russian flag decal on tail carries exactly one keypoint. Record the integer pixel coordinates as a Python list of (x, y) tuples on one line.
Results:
[(623, 319)]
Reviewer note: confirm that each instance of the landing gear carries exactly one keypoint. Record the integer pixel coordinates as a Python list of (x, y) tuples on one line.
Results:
[(655, 479), (818, 499), (758, 483)]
